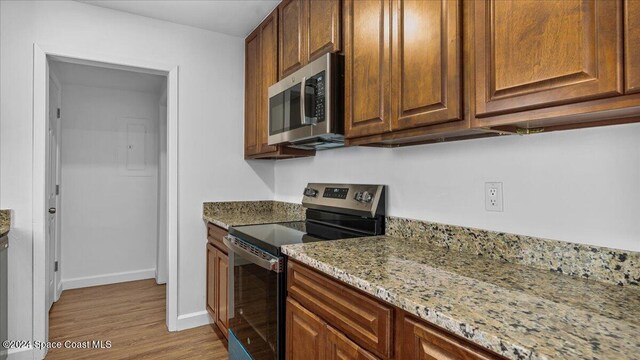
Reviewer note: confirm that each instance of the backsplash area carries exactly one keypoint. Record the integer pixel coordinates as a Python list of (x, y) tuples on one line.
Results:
[(613, 266), (551, 182), (603, 264), (253, 207)]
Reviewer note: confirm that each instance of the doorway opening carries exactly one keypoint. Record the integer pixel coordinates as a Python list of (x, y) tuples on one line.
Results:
[(105, 176), (106, 172)]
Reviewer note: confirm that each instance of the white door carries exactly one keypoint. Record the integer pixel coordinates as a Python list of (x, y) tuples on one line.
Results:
[(51, 186)]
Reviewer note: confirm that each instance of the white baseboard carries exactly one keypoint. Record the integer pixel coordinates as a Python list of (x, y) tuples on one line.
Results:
[(194, 319), (25, 353), (114, 278)]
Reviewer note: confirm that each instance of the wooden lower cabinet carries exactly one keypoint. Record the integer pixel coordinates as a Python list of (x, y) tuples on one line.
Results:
[(314, 331), (211, 278), (306, 334), (339, 347), (218, 279), (222, 286), (310, 338), (365, 320), (421, 341)]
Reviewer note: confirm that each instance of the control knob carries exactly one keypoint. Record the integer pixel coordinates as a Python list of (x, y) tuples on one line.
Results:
[(310, 192), (363, 196)]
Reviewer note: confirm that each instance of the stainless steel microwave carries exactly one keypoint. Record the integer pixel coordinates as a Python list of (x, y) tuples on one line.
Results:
[(306, 108)]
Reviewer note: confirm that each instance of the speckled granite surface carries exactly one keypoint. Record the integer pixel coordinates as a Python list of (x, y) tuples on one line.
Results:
[(230, 213), (5, 221), (599, 263), (518, 311)]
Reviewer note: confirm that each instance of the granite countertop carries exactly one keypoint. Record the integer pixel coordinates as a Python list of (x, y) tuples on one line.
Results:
[(235, 213), (5, 222), (515, 310)]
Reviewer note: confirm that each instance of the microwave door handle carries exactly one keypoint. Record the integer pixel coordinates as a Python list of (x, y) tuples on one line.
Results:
[(303, 111)]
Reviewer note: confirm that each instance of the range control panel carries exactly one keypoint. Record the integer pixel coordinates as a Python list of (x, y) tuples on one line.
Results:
[(335, 192), (364, 200)]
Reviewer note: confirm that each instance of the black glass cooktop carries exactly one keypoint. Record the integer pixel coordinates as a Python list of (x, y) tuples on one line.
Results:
[(270, 237)]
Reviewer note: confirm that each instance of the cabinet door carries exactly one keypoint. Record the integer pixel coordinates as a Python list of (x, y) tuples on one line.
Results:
[(251, 93), (306, 334), (426, 70), (420, 342), (292, 47), (367, 67), (341, 348), (323, 27), (532, 54), (269, 69), (211, 281), (222, 286), (632, 48)]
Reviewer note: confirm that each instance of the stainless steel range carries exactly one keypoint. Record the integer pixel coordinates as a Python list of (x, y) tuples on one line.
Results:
[(257, 276)]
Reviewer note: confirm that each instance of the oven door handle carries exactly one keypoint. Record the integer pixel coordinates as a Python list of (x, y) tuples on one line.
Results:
[(253, 254)]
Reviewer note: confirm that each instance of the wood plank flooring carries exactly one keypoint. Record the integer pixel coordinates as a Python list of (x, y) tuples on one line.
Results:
[(132, 316)]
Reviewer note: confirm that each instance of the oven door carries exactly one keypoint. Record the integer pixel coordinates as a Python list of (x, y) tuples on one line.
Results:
[(256, 302)]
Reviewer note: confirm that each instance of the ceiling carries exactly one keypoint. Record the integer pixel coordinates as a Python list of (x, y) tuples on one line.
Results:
[(236, 18), (86, 75)]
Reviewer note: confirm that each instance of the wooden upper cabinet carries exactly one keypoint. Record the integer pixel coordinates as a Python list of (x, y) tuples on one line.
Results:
[(306, 334), (339, 347), (367, 82), (291, 36), (531, 54), (269, 69), (426, 72), (632, 47), (251, 93), (421, 341), (322, 27)]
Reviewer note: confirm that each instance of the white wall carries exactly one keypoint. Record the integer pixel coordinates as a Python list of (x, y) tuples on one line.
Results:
[(161, 254), (581, 186), (109, 215), (210, 129)]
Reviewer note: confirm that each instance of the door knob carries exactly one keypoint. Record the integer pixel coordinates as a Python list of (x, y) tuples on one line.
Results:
[(52, 210)]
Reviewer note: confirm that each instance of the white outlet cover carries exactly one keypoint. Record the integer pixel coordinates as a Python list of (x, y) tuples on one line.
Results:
[(493, 196)]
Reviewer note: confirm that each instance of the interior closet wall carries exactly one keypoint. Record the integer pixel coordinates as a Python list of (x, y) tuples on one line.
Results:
[(109, 157)]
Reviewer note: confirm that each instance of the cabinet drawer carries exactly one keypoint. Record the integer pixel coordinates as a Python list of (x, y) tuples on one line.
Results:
[(215, 234), (364, 320), (420, 340)]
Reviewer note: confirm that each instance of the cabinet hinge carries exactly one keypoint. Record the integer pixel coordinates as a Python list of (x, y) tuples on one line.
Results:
[(58, 113), (57, 189), (55, 266)]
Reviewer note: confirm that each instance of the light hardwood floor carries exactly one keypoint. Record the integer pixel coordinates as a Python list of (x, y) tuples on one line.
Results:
[(132, 316)]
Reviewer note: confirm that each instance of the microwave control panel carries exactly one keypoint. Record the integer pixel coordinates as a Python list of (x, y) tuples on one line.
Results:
[(315, 87)]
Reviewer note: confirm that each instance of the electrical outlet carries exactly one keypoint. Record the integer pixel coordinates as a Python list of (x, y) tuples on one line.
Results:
[(493, 196)]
